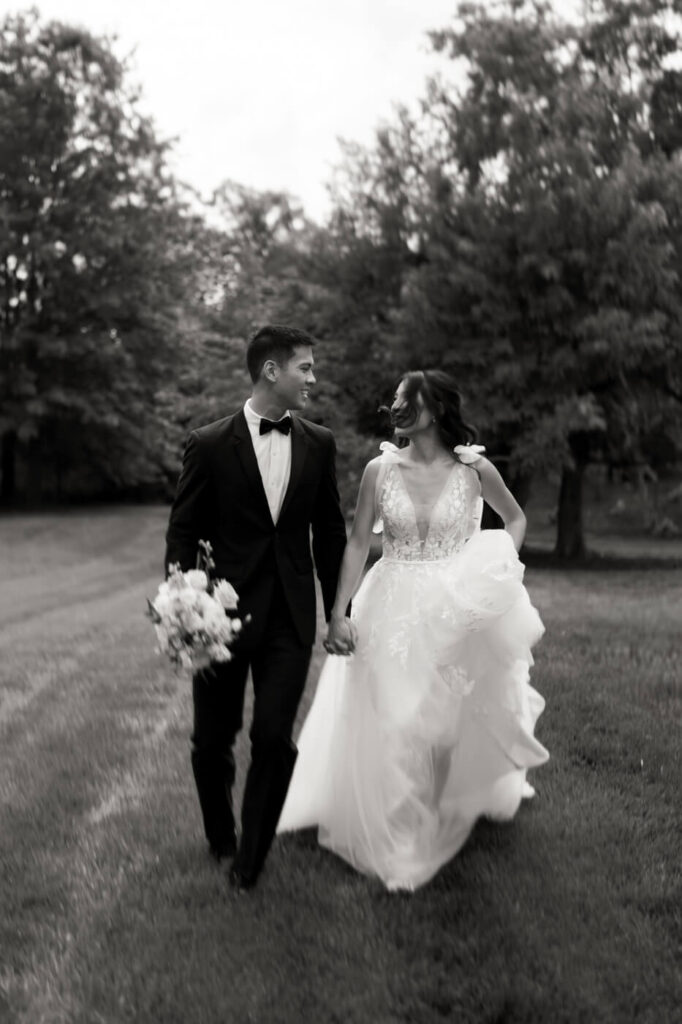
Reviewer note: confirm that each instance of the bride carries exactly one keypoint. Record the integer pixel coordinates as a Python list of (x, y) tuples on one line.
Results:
[(428, 722)]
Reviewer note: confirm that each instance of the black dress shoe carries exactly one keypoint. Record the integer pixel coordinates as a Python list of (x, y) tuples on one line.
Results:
[(223, 851), (239, 882)]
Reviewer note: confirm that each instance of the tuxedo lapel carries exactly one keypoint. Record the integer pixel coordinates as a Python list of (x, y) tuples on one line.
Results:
[(299, 450), (241, 440)]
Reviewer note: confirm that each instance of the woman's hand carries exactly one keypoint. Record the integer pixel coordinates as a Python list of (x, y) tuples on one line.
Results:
[(341, 636)]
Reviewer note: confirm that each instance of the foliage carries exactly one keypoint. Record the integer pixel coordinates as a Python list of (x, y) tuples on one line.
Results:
[(95, 258), (277, 266), (523, 232), (534, 223)]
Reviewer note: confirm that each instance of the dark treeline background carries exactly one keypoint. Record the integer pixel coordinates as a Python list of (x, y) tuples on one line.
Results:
[(523, 230)]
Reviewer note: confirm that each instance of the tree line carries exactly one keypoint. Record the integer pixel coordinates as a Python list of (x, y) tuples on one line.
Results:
[(521, 230)]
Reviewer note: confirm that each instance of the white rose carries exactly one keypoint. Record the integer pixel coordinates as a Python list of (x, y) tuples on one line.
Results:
[(197, 579), (202, 602), (214, 618), (226, 594), (187, 617)]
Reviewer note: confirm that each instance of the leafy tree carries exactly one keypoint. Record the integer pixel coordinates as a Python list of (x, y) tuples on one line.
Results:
[(275, 265), (95, 260), (540, 205), (583, 214)]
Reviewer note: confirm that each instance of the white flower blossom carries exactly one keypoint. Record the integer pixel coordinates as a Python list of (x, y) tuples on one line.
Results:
[(190, 620), (226, 594), (196, 578)]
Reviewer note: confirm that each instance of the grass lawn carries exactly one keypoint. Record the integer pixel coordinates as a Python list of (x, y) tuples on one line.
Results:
[(111, 910)]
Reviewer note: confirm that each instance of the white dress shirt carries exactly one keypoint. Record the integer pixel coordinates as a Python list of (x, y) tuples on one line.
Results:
[(273, 452)]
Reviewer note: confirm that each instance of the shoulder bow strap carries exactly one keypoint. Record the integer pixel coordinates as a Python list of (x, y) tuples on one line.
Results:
[(469, 453), (390, 454)]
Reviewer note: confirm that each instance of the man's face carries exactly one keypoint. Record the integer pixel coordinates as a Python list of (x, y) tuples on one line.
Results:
[(295, 378)]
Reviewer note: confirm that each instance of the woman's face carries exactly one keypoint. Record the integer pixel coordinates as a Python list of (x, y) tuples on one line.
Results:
[(403, 413)]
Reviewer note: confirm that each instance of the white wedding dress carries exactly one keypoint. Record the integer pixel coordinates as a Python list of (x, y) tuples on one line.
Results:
[(430, 723)]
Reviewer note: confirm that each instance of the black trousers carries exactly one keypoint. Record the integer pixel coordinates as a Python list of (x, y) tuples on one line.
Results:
[(279, 667)]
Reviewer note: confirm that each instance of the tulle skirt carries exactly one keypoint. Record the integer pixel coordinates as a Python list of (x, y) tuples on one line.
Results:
[(430, 723)]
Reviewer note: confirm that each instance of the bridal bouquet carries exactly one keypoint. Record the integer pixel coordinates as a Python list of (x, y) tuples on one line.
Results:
[(191, 616)]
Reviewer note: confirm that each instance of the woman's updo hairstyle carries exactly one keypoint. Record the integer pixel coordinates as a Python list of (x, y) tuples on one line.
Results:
[(443, 401)]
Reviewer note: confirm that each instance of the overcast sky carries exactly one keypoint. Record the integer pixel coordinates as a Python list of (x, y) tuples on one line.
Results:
[(259, 90)]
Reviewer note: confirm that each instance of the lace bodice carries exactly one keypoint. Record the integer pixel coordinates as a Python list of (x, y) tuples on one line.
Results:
[(454, 517)]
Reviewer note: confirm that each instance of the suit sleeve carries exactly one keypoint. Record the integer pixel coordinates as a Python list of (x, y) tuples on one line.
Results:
[(329, 531), (189, 512)]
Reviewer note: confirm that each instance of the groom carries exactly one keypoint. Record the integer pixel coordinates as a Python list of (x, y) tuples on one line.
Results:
[(253, 485)]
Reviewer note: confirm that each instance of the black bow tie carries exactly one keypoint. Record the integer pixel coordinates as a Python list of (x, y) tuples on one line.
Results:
[(283, 425)]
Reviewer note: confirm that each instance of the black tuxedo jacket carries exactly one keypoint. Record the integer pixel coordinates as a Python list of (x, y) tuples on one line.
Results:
[(220, 498)]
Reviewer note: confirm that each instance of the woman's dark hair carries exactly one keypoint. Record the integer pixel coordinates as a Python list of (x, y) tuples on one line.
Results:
[(274, 341), (442, 399)]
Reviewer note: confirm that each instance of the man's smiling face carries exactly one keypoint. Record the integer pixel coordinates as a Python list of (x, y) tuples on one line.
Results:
[(295, 378)]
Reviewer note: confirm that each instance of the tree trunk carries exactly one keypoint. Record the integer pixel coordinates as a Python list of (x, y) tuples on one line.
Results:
[(520, 486), (8, 463), (570, 539), (34, 474)]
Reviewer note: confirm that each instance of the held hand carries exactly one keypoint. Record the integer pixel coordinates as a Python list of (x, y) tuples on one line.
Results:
[(341, 637)]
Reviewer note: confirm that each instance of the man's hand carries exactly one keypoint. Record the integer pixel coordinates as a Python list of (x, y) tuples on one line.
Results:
[(341, 636)]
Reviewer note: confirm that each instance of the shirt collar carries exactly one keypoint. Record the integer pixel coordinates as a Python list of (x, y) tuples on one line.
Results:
[(252, 417)]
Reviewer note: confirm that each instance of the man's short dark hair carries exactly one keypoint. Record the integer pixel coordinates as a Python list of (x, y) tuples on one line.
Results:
[(274, 341)]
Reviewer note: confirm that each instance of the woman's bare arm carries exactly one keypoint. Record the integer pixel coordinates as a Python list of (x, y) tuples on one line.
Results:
[(496, 493), (340, 631)]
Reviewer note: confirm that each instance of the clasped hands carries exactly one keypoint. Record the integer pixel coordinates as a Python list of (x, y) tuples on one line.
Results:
[(341, 636)]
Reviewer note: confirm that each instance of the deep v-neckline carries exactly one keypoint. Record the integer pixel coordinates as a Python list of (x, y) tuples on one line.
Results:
[(443, 491)]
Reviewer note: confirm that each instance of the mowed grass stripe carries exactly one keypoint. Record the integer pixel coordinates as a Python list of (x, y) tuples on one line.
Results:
[(85, 713), (54, 628), (92, 748), (140, 883), (569, 913)]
